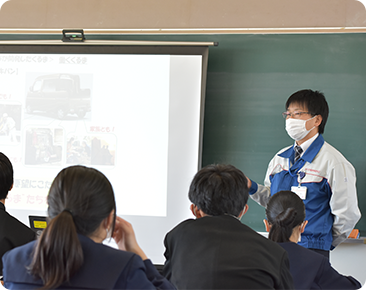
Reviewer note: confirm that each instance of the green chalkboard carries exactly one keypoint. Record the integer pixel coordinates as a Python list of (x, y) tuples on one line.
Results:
[(249, 79)]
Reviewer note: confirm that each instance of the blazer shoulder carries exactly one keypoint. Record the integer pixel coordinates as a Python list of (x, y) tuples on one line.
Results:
[(13, 225), (303, 257)]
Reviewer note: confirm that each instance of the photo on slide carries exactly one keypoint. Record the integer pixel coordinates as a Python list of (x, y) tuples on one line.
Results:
[(61, 95), (10, 123), (91, 150), (43, 146)]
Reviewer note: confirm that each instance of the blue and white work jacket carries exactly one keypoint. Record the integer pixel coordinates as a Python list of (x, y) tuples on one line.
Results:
[(331, 198)]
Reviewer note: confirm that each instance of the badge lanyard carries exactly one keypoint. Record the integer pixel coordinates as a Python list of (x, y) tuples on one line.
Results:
[(299, 190)]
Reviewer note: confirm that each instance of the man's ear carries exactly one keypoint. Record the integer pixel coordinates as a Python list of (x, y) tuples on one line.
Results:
[(267, 225), (319, 120), (11, 187)]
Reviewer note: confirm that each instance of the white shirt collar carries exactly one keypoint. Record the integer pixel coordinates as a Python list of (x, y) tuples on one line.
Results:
[(304, 146)]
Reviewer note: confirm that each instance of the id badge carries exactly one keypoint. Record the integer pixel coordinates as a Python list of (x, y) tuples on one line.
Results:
[(300, 191)]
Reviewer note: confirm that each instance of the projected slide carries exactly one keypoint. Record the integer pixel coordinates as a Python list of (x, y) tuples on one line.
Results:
[(135, 117), (106, 111)]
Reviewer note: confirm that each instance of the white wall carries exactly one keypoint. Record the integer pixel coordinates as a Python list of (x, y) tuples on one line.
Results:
[(350, 259), (182, 14)]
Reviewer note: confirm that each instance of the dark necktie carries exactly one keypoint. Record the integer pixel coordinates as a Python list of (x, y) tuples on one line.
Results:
[(298, 151)]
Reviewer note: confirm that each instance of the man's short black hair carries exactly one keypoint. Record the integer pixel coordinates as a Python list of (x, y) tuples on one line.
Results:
[(315, 103), (219, 189), (6, 176)]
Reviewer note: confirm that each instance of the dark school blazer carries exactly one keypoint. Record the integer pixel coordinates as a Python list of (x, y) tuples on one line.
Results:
[(311, 270), (13, 233), (220, 252)]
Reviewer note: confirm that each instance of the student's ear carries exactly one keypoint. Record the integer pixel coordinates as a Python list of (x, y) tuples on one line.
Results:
[(108, 221), (196, 212), (303, 225), (244, 211), (193, 209), (267, 225), (11, 187), (246, 207)]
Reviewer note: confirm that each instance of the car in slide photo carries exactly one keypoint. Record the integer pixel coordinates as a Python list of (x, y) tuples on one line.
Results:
[(58, 95)]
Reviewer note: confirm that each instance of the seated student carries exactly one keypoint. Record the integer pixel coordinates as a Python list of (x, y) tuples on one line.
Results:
[(216, 250), (13, 233), (70, 254), (285, 222)]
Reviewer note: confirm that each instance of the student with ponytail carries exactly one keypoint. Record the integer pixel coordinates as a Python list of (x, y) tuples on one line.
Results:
[(310, 270), (69, 254)]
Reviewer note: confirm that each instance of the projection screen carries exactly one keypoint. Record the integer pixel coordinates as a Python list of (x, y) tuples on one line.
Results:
[(135, 112)]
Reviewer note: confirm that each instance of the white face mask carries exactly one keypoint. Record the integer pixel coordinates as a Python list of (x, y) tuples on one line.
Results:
[(296, 128)]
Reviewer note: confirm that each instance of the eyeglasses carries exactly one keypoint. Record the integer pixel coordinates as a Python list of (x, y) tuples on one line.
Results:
[(295, 115)]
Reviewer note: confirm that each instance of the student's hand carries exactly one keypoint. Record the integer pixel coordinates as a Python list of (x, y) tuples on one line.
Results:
[(125, 238)]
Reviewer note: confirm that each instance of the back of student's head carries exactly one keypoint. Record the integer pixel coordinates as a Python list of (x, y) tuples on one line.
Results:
[(315, 103), (6, 176), (219, 189), (285, 210), (79, 199)]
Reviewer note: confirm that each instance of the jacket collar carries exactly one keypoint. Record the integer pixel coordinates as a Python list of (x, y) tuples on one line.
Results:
[(309, 154)]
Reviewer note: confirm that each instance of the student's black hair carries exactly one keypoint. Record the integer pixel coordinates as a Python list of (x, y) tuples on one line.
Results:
[(285, 210), (315, 103), (219, 189), (79, 199), (6, 176)]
